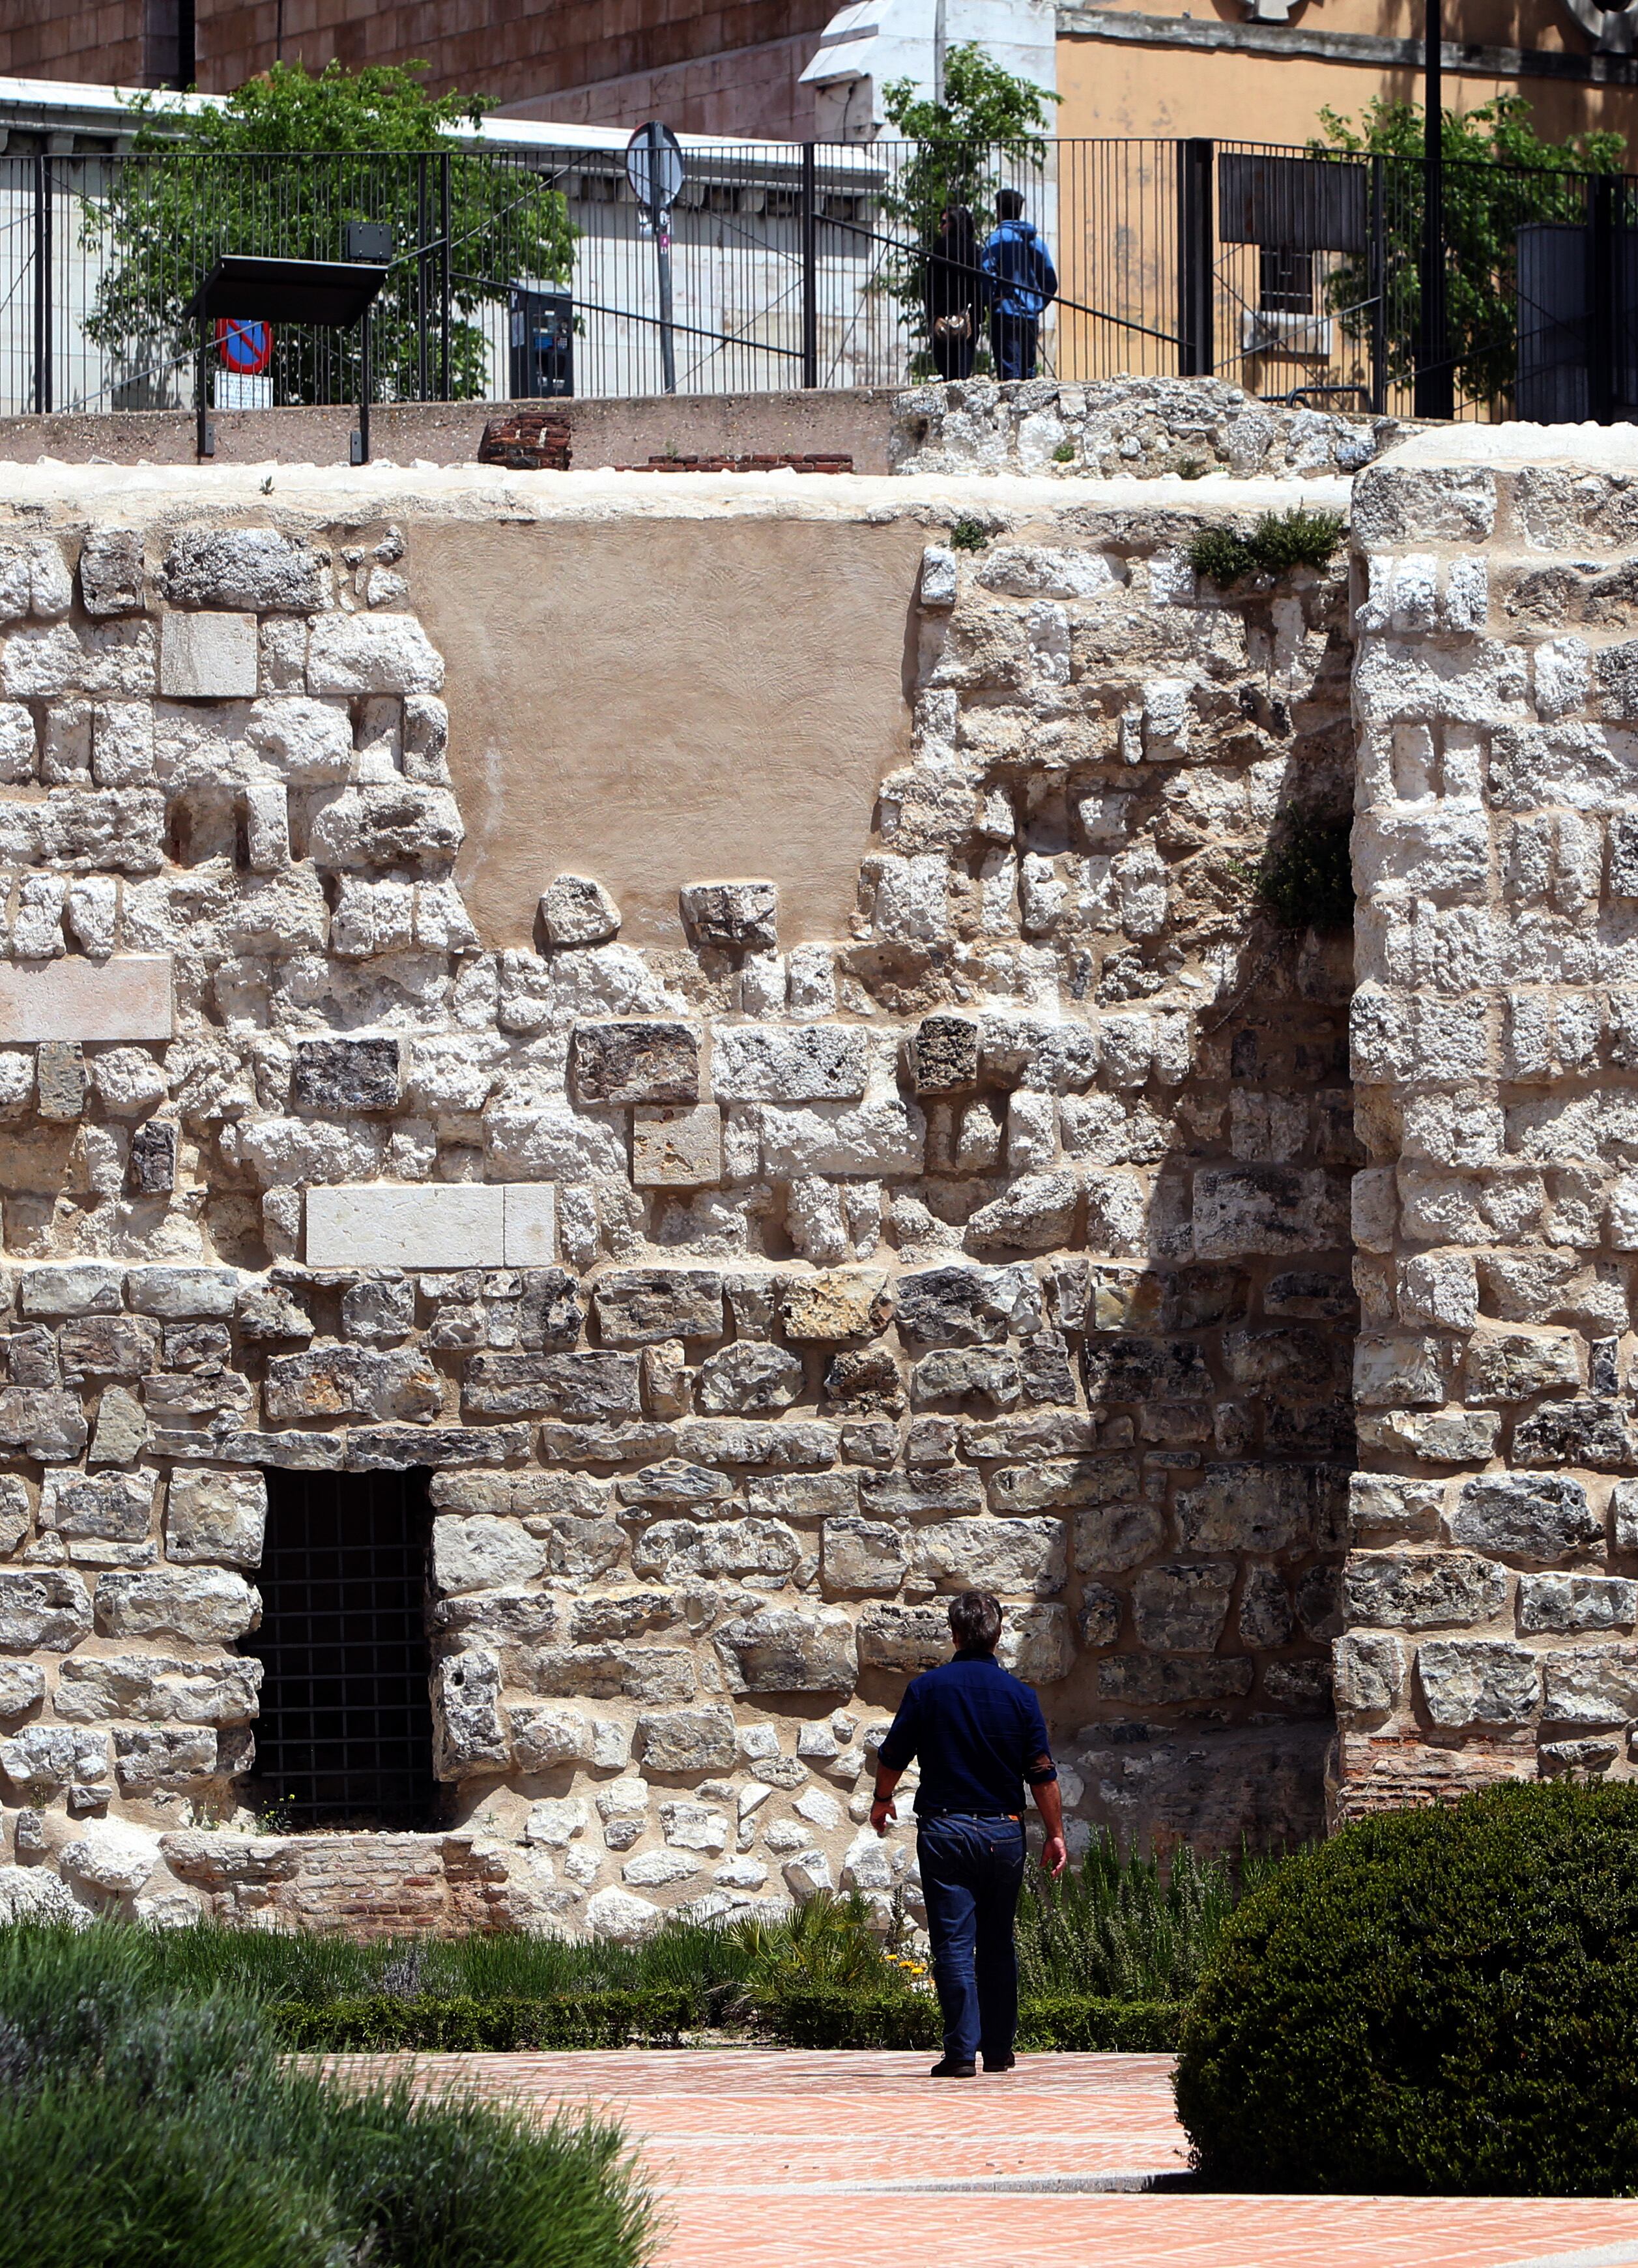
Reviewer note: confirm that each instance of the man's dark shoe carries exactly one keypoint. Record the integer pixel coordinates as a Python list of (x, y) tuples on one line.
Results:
[(953, 2067), (999, 2063)]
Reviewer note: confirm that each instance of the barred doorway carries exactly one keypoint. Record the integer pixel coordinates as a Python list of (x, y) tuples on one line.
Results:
[(345, 1733)]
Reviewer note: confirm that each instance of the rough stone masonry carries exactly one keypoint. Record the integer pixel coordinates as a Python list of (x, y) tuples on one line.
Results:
[(746, 1300)]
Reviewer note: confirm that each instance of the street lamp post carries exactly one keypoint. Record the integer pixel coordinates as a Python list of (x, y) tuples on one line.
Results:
[(1435, 393)]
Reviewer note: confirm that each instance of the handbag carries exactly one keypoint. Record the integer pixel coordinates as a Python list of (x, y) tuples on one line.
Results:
[(953, 326)]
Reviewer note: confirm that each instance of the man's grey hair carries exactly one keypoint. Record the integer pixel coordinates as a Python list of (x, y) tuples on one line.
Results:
[(975, 1620)]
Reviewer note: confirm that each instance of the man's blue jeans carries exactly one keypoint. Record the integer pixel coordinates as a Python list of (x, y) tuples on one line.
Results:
[(971, 1870), (1013, 343)]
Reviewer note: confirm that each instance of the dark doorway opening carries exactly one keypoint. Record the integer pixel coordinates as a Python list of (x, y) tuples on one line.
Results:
[(345, 1733)]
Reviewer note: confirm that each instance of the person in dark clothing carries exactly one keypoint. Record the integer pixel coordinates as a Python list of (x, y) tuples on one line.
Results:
[(954, 293), (1022, 282), (980, 1735)]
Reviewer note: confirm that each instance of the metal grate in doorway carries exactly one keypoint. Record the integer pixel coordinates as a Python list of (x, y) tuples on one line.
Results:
[(345, 1735)]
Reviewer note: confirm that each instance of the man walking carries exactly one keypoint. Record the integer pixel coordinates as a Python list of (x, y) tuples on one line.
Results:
[(1022, 281), (980, 1735)]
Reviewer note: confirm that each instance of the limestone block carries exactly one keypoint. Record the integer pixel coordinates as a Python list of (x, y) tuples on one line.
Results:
[(1368, 1673), (386, 824), (1399, 1369), (1524, 1516), (1115, 1536), (469, 1733), (213, 1516), (863, 1557), (126, 997), (1130, 1369), (545, 1734), (771, 1062), (785, 1650), (42, 1610), (944, 1055), (1035, 1214), (1241, 1212), (1438, 1437), (1592, 1685), (337, 1381), (21, 1685), (739, 916), (1478, 1682), (687, 1741), (1016, 1557), (680, 1551), (1422, 1590), (372, 654), (1037, 1644), (207, 657), (884, 1135), (617, 1915), (530, 1224), (1155, 1680), (111, 578), (18, 752), (1512, 1365), (1182, 1607), (207, 1602), (84, 1287), (33, 580), (678, 1147), (308, 743), (182, 1292), (148, 1759), (1256, 1508), (834, 1304), (939, 580), (1577, 1603), (259, 569), (43, 1758), (422, 1226), (581, 1388), (577, 910), (635, 1061), (968, 1305), (748, 1378), (658, 1869), (160, 1688), (111, 1508), (903, 1640), (1382, 1509), (639, 1306)]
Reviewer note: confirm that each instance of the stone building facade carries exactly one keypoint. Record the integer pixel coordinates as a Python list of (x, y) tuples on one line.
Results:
[(724, 1300)]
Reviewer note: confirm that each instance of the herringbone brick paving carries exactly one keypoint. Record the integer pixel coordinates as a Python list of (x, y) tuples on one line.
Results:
[(767, 2159)]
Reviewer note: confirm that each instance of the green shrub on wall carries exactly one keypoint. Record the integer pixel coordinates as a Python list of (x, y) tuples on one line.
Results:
[(1433, 2000)]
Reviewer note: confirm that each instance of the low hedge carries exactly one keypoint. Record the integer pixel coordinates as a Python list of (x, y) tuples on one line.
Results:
[(382, 2021), (822, 2016), (798, 2017), (1434, 2000)]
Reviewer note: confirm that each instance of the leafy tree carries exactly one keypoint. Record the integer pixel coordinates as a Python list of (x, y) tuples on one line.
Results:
[(280, 168), (1499, 174), (988, 125)]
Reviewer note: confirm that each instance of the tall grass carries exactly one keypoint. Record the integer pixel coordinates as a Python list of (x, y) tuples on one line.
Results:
[(141, 2120), (1128, 1928)]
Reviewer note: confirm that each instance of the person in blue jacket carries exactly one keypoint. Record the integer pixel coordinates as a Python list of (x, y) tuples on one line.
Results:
[(1022, 281)]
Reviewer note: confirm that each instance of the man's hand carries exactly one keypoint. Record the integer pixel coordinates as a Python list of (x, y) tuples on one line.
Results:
[(883, 1813), (1054, 1855)]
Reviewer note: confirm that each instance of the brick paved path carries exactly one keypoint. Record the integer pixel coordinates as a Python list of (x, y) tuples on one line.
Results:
[(770, 2160)]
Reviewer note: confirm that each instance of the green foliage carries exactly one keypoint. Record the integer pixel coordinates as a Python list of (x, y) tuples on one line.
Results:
[(138, 2123), (1434, 2000), (968, 536), (823, 2016), (1499, 174), (1081, 2023), (456, 2024), (1280, 542), (1306, 878), (281, 168), (1122, 1928), (988, 121), (1064, 453)]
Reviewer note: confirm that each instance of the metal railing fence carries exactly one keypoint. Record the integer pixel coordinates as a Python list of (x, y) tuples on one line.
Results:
[(519, 272)]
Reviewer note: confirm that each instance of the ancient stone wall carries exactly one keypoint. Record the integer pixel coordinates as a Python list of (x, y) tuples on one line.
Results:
[(1491, 1597), (745, 1300)]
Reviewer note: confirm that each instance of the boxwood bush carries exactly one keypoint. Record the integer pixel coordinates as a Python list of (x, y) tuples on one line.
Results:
[(1433, 2000)]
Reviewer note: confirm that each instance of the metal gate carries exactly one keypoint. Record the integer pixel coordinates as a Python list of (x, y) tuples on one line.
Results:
[(345, 1735)]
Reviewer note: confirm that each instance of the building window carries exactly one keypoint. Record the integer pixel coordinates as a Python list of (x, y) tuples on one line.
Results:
[(345, 1733), (169, 58), (1285, 281)]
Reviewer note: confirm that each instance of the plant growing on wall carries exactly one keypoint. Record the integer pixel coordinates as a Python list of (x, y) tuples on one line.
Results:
[(280, 168), (987, 131), (1499, 175)]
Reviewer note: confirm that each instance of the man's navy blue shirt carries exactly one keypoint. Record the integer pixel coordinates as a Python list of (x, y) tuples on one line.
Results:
[(979, 1733)]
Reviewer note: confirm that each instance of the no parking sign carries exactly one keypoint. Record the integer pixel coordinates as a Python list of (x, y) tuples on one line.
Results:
[(246, 348)]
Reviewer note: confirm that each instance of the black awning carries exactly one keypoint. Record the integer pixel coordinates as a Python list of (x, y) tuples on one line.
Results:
[(332, 293)]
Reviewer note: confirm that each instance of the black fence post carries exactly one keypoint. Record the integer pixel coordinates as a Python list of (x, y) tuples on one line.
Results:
[(1195, 263), (423, 374), (42, 285), (444, 265), (810, 270), (1378, 287), (1434, 391), (1602, 282)]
